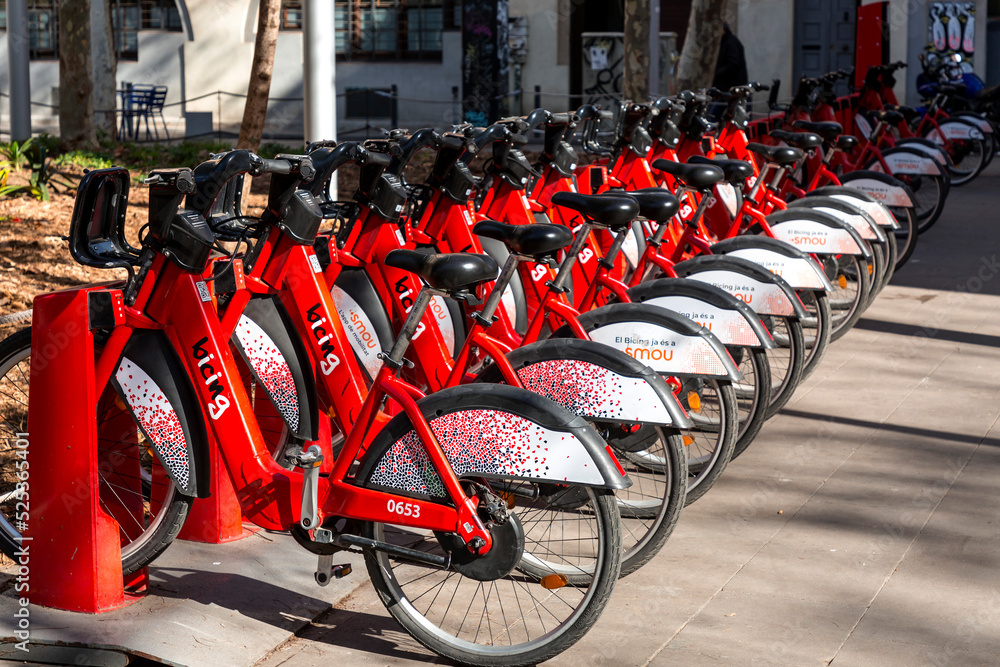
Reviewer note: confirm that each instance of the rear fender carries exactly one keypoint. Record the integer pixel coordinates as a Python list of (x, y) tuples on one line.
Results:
[(955, 128), (974, 117), (498, 432), (879, 213), (266, 340), (797, 268), (154, 386), (731, 320), (909, 161), (595, 381), (883, 188), (817, 233), (765, 292), (847, 212), (665, 341), (927, 148)]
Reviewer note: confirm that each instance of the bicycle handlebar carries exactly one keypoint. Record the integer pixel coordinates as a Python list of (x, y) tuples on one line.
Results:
[(276, 166)]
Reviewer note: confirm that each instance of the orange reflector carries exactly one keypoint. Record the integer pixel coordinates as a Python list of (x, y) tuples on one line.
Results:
[(119, 403), (508, 498), (842, 281), (687, 440), (553, 581), (871, 269), (694, 401)]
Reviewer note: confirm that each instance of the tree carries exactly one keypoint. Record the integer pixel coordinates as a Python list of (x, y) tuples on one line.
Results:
[(701, 45), (635, 79), (76, 76), (105, 69), (261, 71)]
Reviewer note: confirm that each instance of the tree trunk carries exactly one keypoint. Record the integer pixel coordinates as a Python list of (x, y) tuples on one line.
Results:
[(76, 76), (635, 80), (701, 45), (261, 70), (105, 70)]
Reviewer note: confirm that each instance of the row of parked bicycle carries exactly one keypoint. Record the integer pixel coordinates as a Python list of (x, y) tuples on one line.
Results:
[(522, 377)]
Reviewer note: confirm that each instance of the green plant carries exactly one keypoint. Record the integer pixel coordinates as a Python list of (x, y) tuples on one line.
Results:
[(17, 153), (85, 159), (41, 179)]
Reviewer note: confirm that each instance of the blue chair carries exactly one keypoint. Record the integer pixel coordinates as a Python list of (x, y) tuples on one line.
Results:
[(140, 102)]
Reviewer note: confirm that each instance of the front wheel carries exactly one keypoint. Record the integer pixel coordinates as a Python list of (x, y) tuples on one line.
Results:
[(133, 488), (906, 235)]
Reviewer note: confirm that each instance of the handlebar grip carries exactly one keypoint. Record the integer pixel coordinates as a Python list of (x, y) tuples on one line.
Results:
[(535, 118), (605, 114), (275, 167), (562, 118), (452, 141), (380, 159), (518, 138)]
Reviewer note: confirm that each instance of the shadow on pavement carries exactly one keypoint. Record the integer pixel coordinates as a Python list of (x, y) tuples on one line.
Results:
[(903, 329)]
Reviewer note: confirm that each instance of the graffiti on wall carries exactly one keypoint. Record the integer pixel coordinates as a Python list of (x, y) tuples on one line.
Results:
[(951, 28), (485, 60)]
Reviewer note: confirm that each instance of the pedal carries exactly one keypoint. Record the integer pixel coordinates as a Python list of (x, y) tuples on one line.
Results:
[(326, 571), (310, 461)]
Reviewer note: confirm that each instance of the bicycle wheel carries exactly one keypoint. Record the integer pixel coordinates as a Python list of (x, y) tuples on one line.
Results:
[(816, 329), (851, 288), (561, 551), (968, 156), (655, 461), (134, 490), (753, 393), (711, 405), (906, 235), (787, 361), (929, 194)]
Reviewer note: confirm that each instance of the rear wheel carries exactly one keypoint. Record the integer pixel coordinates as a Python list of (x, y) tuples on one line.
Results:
[(906, 235), (753, 393), (786, 361), (816, 328), (851, 288), (134, 489), (712, 406)]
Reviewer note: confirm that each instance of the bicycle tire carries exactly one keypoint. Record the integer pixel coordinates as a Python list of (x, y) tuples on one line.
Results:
[(817, 335), (164, 525), (751, 403), (578, 584), (847, 270), (906, 236), (787, 333)]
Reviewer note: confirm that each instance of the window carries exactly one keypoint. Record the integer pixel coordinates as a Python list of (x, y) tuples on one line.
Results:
[(383, 29), (128, 17)]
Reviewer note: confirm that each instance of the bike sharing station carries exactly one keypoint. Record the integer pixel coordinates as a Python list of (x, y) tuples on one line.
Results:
[(235, 584)]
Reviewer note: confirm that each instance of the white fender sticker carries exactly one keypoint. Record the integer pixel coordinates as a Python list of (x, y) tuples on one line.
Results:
[(954, 131), (908, 163), (486, 442), (438, 308), (799, 272), (727, 193), (933, 153), (884, 193), (630, 248), (764, 298), (863, 126), (661, 349), (270, 366), (879, 213), (984, 125), (593, 391), (730, 326), (157, 418), (859, 224), (360, 332), (816, 237)]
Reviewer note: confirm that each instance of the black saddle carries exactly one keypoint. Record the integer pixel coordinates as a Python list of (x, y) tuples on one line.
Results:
[(909, 113), (780, 155), (827, 130), (736, 171), (846, 142), (535, 240), (610, 210), (804, 140), (655, 204), (890, 117), (697, 176), (445, 272)]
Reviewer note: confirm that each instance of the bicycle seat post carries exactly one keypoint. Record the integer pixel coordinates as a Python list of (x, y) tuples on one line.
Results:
[(566, 268), (485, 316), (395, 356)]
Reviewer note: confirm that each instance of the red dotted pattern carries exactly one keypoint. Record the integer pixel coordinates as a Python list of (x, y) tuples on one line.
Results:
[(157, 419), (593, 391), (271, 369), (486, 442)]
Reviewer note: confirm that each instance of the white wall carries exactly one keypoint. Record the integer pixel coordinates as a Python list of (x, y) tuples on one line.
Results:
[(541, 68), (767, 30)]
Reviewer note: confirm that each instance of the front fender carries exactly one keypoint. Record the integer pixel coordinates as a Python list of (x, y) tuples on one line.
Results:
[(757, 287), (858, 219), (594, 381), (493, 431), (153, 385), (734, 322)]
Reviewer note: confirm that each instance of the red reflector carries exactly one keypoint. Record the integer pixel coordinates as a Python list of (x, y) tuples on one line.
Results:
[(615, 459)]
